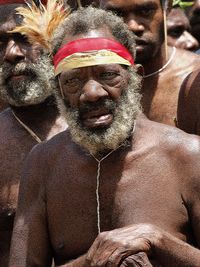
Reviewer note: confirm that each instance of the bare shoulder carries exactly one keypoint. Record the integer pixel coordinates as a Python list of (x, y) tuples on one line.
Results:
[(50, 152), (186, 61), (172, 141), (6, 120)]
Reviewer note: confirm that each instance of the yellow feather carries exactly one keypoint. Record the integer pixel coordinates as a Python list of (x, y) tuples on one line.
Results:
[(39, 23)]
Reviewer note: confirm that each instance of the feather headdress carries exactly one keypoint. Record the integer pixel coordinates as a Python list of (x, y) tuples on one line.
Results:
[(40, 22)]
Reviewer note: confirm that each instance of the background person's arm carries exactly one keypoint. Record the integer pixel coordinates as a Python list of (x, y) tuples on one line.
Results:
[(188, 111), (30, 243)]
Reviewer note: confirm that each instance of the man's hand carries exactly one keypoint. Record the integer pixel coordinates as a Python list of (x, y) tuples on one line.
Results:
[(137, 260), (113, 248)]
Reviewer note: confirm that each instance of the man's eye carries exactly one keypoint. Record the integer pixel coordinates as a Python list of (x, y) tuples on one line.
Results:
[(108, 75), (176, 32), (72, 81), (146, 12)]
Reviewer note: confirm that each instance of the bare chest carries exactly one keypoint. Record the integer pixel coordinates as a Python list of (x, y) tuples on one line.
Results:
[(130, 195)]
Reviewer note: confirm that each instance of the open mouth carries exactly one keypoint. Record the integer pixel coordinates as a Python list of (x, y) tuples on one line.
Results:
[(20, 75), (99, 118)]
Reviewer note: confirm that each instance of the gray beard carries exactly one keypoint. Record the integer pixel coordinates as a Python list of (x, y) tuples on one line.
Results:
[(125, 112), (36, 86)]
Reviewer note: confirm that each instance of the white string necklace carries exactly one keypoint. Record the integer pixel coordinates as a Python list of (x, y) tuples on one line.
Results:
[(27, 128), (163, 67), (98, 181)]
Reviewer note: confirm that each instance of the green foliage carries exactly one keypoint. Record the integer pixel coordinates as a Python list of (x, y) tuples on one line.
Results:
[(182, 4)]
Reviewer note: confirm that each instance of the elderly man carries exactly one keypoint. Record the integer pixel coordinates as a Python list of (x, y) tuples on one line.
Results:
[(26, 83), (134, 185), (165, 69)]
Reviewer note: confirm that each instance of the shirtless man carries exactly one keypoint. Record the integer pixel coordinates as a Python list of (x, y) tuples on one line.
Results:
[(114, 171), (27, 85), (163, 77), (178, 30)]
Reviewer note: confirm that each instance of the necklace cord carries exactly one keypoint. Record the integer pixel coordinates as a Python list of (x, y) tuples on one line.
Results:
[(98, 181), (27, 128), (163, 67)]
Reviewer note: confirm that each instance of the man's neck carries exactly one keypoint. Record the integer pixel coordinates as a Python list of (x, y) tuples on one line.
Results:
[(157, 62), (40, 118)]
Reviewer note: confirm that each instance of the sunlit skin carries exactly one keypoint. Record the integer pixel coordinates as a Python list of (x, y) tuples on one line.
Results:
[(15, 141), (178, 31), (142, 207), (160, 91), (194, 17)]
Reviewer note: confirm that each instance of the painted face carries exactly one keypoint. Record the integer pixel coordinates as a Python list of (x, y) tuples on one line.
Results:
[(178, 28), (98, 103), (194, 17), (26, 75), (145, 19)]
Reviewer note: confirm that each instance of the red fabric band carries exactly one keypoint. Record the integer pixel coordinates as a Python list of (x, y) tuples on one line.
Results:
[(8, 2), (92, 44)]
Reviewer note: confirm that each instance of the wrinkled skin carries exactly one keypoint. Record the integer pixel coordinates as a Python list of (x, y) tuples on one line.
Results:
[(160, 91), (178, 31)]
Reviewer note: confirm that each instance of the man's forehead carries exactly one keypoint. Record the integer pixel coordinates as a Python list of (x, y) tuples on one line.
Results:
[(127, 3), (8, 13), (178, 17), (102, 32)]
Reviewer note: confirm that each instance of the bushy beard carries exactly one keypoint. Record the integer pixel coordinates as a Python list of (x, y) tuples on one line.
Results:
[(124, 113), (37, 85)]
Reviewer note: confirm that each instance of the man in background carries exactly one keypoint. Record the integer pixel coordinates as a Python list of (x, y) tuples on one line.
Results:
[(165, 67), (27, 84)]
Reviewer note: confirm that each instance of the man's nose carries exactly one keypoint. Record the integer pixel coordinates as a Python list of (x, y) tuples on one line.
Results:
[(92, 91), (13, 53), (191, 43), (135, 26)]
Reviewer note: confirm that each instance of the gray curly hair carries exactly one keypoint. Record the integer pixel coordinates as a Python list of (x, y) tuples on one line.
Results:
[(87, 19)]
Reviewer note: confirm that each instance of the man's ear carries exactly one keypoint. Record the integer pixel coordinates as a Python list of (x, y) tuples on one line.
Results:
[(139, 69)]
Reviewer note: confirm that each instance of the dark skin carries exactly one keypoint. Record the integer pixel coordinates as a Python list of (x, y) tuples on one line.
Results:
[(160, 92), (15, 141), (193, 13), (188, 105), (178, 30), (143, 208)]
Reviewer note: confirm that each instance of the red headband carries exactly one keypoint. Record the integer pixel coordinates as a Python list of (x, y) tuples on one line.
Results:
[(8, 2), (92, 44)]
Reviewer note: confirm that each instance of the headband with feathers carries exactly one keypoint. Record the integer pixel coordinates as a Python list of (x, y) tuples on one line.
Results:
[(40, 22)]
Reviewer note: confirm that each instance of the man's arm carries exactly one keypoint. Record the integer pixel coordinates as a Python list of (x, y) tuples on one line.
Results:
[(30, 243), (188, 112)]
